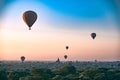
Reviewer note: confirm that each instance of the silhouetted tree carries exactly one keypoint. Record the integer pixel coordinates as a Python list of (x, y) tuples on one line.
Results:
[(67, 70), (58, 77), (117, 76), (16, 75), (3, 75), (42, 72), (100, 76)]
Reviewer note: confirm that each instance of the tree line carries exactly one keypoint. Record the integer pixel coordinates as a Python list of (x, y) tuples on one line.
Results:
[(68, 72)]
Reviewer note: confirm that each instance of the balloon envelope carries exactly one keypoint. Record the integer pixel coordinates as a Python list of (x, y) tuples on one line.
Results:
[(29, 18), (65, 56), (22, 58), (67, 47), (93, 35)]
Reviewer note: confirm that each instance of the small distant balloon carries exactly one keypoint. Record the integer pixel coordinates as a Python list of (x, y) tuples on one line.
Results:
[(29, 18), (22, 59), (67, 47), (65, 56), (93, 35)]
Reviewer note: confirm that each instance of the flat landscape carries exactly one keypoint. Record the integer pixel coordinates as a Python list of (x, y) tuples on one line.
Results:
[(65, 70), (18, 65)]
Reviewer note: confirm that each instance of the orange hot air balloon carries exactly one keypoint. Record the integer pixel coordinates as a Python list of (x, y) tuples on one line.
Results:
[(29, 18)]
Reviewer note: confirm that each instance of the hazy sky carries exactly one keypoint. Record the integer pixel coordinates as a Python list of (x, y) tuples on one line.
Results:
[(59, 23)]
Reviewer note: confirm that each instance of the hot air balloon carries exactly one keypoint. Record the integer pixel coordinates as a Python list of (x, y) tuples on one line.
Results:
[(93, 35), (65, 56), (22, 58), (29, 18), (67, 47)]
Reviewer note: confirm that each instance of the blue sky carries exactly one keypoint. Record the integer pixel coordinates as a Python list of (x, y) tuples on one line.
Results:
[(79, 8), (84, 11)]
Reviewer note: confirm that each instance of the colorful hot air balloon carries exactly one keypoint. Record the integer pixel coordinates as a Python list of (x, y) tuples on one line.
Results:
[(93, 35), (65, 56), (22, 58), (29, 18)]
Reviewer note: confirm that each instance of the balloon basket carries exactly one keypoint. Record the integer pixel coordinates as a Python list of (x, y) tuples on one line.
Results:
[(29, 28)]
